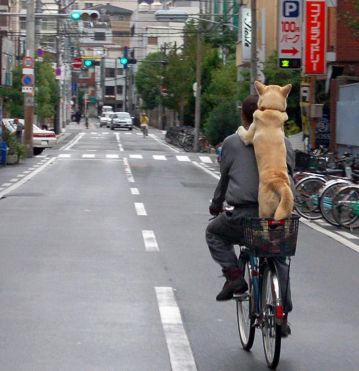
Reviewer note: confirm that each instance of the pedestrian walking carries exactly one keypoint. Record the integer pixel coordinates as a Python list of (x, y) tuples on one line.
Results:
[(19, 129)]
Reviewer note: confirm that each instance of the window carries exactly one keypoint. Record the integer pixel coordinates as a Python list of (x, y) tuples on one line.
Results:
[(152, 40), (110, 72), (100, 36), (119, 89), (109, 90)]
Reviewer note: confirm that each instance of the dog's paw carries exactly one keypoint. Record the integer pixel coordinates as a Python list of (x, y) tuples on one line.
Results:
[(243, 134)]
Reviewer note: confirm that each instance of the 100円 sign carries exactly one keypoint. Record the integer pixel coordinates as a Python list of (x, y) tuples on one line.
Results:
[(290, 34)]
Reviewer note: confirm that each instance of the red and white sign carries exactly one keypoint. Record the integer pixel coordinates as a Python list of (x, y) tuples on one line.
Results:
[(28, 62), (290, 29), (315, 29), (77, 63)]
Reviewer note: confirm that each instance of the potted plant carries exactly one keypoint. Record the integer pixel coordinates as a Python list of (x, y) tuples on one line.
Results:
[(16, 150)]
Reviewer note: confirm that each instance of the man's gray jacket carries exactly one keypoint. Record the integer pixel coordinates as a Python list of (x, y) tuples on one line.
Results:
[(239, 180)]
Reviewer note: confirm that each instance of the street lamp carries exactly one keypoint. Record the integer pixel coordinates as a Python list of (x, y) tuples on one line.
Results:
[(175, 15)]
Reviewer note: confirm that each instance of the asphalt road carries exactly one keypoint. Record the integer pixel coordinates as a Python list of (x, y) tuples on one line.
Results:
[(104, 266)]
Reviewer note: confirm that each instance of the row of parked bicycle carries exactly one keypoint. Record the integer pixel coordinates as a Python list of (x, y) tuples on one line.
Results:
[(183, 137), (327, 187)]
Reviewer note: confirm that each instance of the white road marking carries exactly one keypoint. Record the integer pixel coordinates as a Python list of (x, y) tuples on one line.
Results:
[(135, 191), (112, 156), (164, 144), (140, 209), (88, 155), (27, 171), (5, 184), (64, 155), (183, 158), (333, 235), (206, 170), (1, 189), (179, 348), (21, 175), (68, 146), (149, 239), (347, 235), (160, 157), (136, 156), (128, 171), (26, 178), (105, 133), (119, 141), (206, 159), (13, 180), (139, 134)]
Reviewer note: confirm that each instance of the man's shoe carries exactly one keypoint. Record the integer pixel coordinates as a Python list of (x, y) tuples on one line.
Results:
[(285, 329), (234, 283)]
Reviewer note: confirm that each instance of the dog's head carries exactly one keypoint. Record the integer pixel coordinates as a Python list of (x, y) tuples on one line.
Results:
[(272, 96)]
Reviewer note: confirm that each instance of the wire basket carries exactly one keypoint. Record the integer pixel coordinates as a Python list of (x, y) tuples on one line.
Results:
[(267, 237)]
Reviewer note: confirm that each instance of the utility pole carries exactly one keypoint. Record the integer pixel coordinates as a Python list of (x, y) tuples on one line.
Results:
[(253, 46), (29, 97), (197, 112), (57, 125)]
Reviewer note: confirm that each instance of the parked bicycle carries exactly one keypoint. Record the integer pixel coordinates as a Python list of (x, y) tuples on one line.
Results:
[(262, 307)]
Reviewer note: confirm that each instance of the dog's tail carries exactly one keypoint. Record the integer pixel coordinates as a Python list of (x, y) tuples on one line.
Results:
[(286, 202)]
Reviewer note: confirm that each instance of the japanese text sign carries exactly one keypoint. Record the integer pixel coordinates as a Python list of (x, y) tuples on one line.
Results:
[(315, 28), (290, 33)]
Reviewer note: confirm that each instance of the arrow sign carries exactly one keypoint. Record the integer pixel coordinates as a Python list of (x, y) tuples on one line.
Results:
[(292, 51)]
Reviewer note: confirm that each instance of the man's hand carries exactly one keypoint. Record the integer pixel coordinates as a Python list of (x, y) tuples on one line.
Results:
[(215, 209)]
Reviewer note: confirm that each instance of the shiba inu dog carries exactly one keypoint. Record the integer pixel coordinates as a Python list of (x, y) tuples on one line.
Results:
[(266, 133)]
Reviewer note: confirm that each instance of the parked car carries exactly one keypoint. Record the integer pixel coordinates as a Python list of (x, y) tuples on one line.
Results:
[(121, 120), (41, 139), (105, 119)]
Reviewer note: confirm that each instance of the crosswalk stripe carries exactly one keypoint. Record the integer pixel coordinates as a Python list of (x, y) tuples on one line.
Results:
[(112, 156), (159, 157), (88, 155), (64, 155), (206, 159), (183, 158), (136, 156)]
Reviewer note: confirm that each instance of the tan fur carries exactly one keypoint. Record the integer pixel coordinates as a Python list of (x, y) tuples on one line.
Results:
[(266, 133)]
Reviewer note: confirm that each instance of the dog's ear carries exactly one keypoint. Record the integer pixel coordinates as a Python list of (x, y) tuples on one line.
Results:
[(285, 90), (259, 87)]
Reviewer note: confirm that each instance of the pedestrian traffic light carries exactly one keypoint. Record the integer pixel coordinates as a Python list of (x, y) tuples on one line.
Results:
[(124, 62), (84, 15)]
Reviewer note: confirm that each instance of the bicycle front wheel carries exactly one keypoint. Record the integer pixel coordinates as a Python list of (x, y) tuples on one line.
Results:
[(307, 197), (346, 207), (271, 331), (245, 319)]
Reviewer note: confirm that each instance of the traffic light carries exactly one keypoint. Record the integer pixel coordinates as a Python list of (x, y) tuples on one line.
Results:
[(290, 63), (88, 63), (84, 15), (124, 62)]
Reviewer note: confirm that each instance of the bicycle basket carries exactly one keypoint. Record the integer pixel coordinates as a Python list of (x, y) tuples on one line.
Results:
[(267, 237)]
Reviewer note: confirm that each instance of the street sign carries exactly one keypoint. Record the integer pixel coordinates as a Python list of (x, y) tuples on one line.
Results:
[(28, 62), (27, 89), (29, 101), (28, 80), (315, 27), (290, 34), (77, 63)]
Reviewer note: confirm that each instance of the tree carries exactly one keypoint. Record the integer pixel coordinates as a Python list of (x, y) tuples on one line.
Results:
[(12, 95), (222, 121), (148, 80)]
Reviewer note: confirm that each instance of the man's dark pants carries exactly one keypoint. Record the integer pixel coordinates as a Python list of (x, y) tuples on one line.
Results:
[(226, 230)]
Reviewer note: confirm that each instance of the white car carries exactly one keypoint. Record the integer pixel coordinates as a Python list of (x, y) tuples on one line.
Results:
[(121, 120), (105, 119), (41, 139)]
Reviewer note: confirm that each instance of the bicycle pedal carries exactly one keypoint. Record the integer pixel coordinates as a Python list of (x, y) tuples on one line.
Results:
[(241, 297)]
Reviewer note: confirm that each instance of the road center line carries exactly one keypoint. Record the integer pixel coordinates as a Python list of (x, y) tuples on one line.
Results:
[(135, 191), (150, 241), (128, 171), (179, 349), (140, 209)]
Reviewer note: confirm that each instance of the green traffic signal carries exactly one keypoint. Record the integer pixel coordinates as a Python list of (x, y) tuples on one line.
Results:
[(76, 15), (123, 61), (88, 63)]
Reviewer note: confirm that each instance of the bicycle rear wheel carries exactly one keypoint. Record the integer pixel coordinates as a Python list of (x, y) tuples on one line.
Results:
[(346, 207), (307, 197), (245, 320), (271, 331)]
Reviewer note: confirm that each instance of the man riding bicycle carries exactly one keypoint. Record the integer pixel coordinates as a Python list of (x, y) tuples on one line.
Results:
[(238, 186)]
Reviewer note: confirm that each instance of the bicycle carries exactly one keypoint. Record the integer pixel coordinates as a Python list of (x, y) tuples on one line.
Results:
[(263, 306), (144, 129), (345, 207)]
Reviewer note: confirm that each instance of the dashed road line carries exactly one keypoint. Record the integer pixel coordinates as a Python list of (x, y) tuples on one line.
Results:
[(206, 159), (136, 156), (134, 191), (150, 241), (159, 157), (183, 158), (128, 171), (88, 155), (179, 349), (140, 209), (112, 156)]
